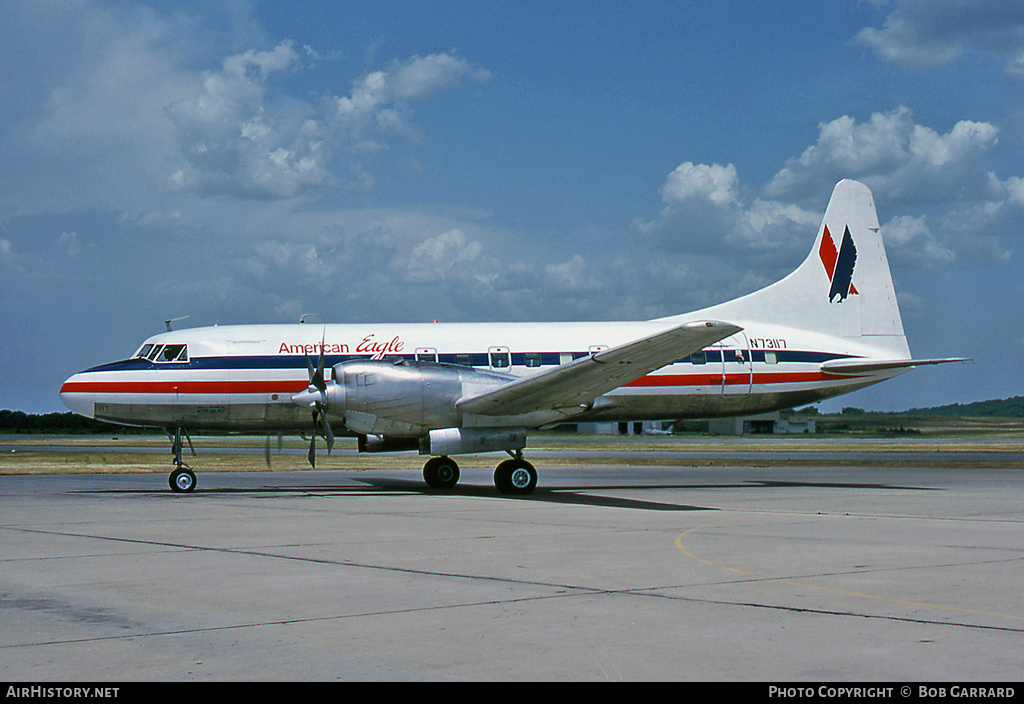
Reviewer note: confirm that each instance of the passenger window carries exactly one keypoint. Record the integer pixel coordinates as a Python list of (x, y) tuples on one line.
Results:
[(564, 357), (499, 360), (771, 357), (466, 360), (699, 358), (533, 359)]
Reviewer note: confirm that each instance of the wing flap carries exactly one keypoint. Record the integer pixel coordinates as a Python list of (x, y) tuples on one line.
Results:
[(579, 382)]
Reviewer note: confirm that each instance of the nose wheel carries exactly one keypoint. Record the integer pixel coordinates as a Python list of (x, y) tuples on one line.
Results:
[(182, 481)]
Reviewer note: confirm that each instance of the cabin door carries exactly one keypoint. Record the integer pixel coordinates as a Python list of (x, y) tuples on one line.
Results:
[(737, 365)]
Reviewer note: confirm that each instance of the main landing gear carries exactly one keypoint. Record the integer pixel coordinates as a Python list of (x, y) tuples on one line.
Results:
[(182, 480), (515, 476)]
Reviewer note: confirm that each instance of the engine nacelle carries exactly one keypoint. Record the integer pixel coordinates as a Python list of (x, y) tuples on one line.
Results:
[(402, 398), (385, 443), (460, 441)]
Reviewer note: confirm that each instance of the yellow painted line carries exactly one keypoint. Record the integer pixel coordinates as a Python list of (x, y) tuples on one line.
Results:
[(683, 549)]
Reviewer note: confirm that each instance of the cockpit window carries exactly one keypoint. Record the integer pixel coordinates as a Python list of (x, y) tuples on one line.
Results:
[(173, 353), (163, 353)]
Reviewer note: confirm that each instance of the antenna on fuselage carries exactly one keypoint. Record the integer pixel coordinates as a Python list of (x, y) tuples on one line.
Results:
[(173, 320), (302, 318)]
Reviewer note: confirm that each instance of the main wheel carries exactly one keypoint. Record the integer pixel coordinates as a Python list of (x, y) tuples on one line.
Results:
[(515, 477), (441, 473), (182, 480)]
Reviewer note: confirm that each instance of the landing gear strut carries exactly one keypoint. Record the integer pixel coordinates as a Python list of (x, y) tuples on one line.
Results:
[(182, 479)]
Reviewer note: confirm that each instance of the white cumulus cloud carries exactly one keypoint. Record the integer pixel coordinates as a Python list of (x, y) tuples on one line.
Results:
[(892, 154), (713, 183), (924, 33), (379, 101), (239, 129), (909, 240), (436, 258)]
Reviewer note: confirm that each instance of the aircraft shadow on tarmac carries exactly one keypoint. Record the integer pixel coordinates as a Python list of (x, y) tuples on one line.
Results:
[(382, 486), (539, 495)]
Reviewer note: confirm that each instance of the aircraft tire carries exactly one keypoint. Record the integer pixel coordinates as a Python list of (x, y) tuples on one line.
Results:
[(441, 473), (515, 477), (182, 481)]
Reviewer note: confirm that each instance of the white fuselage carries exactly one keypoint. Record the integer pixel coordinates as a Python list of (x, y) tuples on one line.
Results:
[(831, 326), (244, 377)]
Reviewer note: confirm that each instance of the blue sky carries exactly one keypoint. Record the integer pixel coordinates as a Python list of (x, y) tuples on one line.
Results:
[(247, 162)]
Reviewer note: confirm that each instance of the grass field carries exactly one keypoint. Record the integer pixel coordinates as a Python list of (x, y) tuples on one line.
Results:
[(957, 443)]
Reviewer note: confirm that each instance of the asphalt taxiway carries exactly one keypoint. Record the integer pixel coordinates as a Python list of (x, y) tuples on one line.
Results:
[(856, 563)]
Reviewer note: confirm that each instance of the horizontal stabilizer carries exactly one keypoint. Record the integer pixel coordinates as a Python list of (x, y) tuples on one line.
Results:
[(856, 367), (579, 382)]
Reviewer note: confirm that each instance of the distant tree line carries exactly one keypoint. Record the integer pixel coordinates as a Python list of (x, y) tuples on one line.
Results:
[(1005, 408), (61, 423), (997, 408)]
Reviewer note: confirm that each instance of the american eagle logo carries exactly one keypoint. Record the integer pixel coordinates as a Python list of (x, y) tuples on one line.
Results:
[(839, 264)]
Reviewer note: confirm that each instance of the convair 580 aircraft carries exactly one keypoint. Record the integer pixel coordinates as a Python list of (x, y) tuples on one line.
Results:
[(830, 327)]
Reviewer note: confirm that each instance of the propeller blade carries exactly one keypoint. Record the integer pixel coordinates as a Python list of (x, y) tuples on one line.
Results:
[(316, 378), (311, 456), (328, 433), (317, 383), (312, 372)]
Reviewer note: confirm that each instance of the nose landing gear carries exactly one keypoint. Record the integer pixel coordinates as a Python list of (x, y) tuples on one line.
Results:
[(182, 479)]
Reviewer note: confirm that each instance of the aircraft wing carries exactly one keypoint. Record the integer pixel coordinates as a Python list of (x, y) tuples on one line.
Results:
[(579, 382), (855, 367)]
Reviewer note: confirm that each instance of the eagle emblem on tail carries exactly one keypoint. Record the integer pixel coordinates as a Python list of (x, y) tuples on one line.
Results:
[(839, 264)]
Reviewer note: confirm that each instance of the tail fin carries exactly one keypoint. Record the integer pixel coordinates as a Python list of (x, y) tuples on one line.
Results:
[(843, 288)]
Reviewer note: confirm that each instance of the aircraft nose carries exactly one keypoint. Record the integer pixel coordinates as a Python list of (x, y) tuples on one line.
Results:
[(77, 396)]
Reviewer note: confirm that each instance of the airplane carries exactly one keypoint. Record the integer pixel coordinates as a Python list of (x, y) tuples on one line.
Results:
[(830, 327)]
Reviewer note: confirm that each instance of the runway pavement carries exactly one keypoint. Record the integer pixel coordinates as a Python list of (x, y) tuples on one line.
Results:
[(891, 567)]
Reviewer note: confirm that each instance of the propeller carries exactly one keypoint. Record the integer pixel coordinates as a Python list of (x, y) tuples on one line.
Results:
[(315, 396), (266, 447)]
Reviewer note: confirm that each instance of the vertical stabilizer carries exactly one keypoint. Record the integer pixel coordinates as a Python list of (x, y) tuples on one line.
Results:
[(843, 288)]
